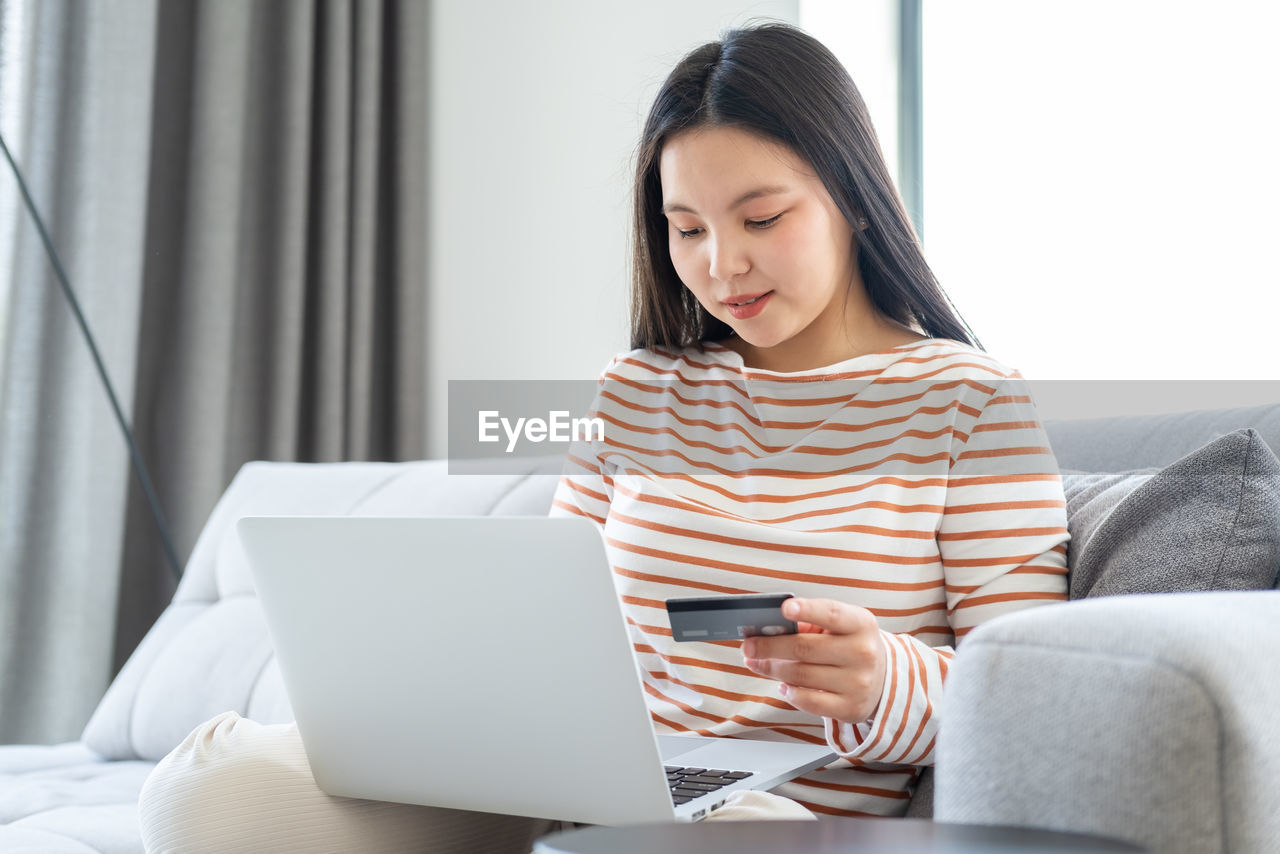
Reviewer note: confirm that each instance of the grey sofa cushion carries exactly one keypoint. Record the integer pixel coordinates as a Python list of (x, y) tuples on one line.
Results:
[(1129, 442), (1208, 521), (1144, 718)]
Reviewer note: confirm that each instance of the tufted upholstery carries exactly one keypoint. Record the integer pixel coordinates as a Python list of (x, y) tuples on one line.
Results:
[(209, 652)]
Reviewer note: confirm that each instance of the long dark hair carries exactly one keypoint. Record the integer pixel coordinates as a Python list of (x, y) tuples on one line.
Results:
[(777, 81)]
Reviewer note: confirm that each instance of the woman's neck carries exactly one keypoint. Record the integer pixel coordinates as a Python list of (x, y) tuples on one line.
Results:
[(875, 336)]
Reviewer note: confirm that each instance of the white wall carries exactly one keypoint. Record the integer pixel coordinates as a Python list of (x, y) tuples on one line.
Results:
[(535, 112)]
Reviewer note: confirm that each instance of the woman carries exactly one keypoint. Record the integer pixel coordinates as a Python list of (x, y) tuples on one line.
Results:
[(802, 411)]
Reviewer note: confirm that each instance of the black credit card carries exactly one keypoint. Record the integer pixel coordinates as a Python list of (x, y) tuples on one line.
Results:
[(743, 615)]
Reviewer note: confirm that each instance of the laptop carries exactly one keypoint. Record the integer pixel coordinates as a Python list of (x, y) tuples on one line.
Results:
[(481, 663)]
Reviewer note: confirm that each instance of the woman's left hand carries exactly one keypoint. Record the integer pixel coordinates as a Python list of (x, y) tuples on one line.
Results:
[(835, 666)]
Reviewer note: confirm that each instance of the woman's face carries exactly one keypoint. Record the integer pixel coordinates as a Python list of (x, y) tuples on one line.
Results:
[(747, 218)]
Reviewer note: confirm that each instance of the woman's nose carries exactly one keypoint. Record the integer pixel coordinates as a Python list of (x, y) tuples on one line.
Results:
[(728, 259)]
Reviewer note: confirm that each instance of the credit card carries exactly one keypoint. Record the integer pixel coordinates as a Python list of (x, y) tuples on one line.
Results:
[(734, 617)]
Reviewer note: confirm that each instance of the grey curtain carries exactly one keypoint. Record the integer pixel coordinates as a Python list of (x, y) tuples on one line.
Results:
[(246, 215)]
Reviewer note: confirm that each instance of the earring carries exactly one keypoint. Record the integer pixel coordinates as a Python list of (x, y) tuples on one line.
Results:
[(862, 222)]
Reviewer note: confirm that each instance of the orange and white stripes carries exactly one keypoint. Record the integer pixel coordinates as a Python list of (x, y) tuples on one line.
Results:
[(916, 483)]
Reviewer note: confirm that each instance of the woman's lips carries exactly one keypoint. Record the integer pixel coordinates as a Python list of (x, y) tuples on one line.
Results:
[(751, 309)]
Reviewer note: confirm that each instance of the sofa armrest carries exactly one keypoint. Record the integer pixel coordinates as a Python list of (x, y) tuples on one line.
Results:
[(1145, 718)]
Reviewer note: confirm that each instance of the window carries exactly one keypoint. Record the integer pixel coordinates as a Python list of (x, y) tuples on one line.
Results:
[(1100, 183)]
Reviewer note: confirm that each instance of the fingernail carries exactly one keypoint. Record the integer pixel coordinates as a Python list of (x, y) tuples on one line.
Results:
[(783, 688)]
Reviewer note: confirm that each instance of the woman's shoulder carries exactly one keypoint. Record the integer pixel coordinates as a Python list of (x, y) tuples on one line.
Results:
[(956, 357), (696, 362)]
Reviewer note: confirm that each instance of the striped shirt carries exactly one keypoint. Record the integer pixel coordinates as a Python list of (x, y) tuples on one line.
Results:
[(916, 482)]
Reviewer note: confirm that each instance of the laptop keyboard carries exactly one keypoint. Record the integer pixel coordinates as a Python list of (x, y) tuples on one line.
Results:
[(689, 783)]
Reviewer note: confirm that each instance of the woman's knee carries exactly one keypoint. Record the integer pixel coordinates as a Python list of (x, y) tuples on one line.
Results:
[(237, 785), (760, 806), (219, 779), (224, 756)]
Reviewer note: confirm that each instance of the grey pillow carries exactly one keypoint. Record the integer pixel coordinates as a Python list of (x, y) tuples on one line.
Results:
[(1208, 521)]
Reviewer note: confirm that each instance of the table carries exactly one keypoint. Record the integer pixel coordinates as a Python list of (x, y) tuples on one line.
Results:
[(825, 836)]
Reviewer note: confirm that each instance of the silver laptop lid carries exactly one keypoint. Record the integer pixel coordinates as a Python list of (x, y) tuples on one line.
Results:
[(383, 628)]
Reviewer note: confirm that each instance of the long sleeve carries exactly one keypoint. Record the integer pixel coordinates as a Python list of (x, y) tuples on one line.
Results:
[(1002, 542)]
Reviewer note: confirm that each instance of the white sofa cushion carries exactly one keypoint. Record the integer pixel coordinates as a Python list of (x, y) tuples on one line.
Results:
[(209, 652), (66, 798)]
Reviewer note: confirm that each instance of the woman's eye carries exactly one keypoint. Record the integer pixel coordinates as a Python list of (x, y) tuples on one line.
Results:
[(754, 223)]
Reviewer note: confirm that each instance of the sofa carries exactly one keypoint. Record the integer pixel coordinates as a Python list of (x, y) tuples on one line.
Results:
[(1131, 712)]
